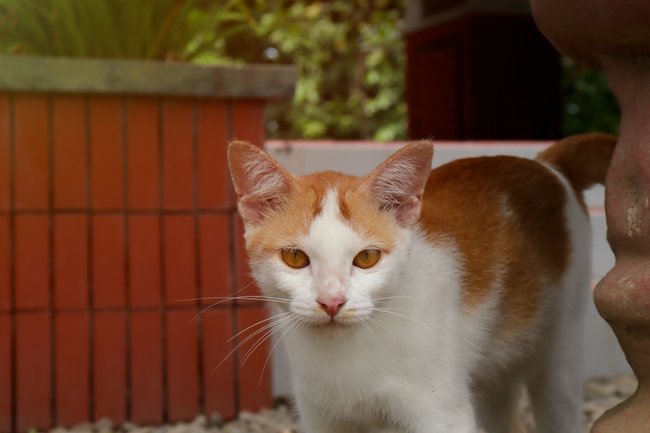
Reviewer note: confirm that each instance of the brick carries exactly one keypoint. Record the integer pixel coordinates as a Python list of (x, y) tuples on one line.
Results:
[(6, 373), (109, 356), (146, 368), (248, 121), (33, 371), (32, 262), (214, 179), (180, 265), (182, 365), (108, 261), (254, 371), (143, 153), (106, 152), (70, 261), (5, 265), (215, 257), (178, 159), (219, 376), (4, 152), (244, 283), (72, 368), (144, 258), (31, 151), (69, 148)]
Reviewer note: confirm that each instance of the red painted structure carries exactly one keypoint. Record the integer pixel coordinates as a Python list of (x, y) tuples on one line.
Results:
[(482, 77), (114, 211)]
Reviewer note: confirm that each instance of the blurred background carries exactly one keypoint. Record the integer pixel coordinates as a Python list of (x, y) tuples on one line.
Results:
[(351, 54), (120, 244)]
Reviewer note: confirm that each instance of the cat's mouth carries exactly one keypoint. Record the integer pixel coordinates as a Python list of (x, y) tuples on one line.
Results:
[(318, 319), (344, 320)]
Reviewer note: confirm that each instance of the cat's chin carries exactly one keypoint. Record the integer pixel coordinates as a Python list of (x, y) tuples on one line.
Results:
[(334, 324)]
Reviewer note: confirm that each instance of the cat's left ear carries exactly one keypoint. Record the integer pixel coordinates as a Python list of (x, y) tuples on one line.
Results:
[(397, 184), (260, 182)]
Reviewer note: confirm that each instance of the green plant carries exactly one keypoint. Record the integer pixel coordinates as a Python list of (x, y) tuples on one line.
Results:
[(589, 105), (142, 29), (350, 56)]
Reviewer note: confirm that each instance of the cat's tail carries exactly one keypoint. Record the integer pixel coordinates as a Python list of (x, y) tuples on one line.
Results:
[(583, 158)]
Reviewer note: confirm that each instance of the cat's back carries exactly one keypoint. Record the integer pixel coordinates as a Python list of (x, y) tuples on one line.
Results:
[(506, 217)]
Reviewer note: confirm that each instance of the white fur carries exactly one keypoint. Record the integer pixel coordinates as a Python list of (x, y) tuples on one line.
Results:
[(403, 355), (395, 180), (263, 177), (555, 384)]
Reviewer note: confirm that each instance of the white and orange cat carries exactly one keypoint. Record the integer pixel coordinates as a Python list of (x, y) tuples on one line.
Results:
[(425, 301)]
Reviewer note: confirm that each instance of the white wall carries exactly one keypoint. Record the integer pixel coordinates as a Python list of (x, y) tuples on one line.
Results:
[(603, 356)]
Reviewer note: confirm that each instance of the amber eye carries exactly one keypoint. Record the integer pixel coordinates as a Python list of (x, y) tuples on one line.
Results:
[(295, 258), (366, 259)]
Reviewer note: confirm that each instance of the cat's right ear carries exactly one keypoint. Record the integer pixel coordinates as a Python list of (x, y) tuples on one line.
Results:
[(260, 182)]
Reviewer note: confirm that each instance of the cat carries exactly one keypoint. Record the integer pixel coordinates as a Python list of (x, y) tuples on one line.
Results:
[(425, 301)]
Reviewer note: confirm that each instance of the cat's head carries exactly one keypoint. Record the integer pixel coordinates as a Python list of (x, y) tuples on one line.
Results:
[(330, 245)]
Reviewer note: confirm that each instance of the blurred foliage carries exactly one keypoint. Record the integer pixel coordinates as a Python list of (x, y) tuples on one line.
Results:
[(350, 54), (351, 58), (130, 29), (589, 105)]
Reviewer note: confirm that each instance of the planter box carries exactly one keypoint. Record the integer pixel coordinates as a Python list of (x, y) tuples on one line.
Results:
[(116, 213)]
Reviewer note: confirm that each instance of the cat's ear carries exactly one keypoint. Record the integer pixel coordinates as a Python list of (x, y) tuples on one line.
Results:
[(397, 184), (260, 182)]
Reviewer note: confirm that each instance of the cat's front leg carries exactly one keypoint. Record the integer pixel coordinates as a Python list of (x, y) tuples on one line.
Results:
[(314, 420), (457, 424), (437, 413)]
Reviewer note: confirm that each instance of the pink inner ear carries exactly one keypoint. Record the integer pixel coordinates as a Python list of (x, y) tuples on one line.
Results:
[(252, 209), (398, 183), (408, 211), (260, 181)]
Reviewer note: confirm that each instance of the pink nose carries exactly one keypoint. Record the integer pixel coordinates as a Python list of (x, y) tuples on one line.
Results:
[(331, 304)]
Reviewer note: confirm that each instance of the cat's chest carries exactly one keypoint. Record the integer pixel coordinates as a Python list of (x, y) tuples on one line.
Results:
[(366, 366)]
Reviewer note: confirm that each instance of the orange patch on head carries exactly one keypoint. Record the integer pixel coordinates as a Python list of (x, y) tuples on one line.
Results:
[(278, 207), (293, 219)]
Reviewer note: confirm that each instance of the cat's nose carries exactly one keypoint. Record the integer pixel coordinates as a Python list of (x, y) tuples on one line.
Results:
[(331, 304)]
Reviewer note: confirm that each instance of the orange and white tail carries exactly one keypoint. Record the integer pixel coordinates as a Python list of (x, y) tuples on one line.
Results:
[(583, 159)]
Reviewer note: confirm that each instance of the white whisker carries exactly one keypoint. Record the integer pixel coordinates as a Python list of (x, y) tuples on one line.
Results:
[(273, 329), (258, 323), (390, 311), (244, 341), (291, 326)]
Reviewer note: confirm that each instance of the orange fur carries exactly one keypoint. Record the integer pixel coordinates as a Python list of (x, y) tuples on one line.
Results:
[(506, 221), (465, 200), (504, 214), (583, 159)]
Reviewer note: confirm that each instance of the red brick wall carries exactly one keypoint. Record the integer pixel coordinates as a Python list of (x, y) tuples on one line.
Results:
[(113, 210)]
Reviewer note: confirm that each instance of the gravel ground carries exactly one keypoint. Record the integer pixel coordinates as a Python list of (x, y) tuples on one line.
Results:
[(600, 395)]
